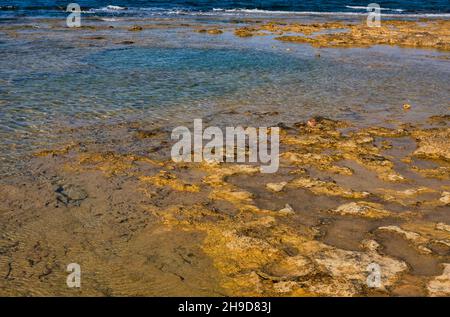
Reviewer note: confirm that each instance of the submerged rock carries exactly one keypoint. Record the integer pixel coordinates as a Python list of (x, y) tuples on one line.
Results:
[(441, 172), (135, 28), (320, 161), (431, 234), (407, 197), (409, 235), (214, 31), (70, 195), (244, 32), (165, 178)]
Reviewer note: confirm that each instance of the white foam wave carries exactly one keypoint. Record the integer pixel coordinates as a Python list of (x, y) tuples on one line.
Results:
[(109, 19), (382, 9), (239, 11), (115, 8), (335, 13)]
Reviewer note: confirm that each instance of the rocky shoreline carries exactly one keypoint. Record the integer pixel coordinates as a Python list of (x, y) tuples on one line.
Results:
[(433, 34), (348, 194), (140, 224), (419, 33)]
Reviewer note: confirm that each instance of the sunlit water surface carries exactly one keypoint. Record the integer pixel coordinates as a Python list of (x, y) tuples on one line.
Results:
[(174, 75)]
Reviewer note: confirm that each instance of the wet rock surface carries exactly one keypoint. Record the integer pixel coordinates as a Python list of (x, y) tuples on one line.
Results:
[(440, 285), (427, 34), (346, 196), (140, 224)]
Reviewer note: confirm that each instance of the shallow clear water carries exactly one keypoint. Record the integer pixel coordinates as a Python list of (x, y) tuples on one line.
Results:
[(53, 78)]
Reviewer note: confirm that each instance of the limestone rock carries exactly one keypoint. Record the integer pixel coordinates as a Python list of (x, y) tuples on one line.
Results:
[(445, 198), (276, 187), (408, 235), (287, 210), (362, 209), (440, 285), (328, 188), (433, 144), (442, 226)]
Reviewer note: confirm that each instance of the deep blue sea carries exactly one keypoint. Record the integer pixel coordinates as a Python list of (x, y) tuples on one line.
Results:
[(199, 7)]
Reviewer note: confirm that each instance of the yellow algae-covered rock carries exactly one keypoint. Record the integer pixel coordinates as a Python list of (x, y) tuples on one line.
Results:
[(165, 178), (326, 188), (442, 226), (290, 268), (406, 106), (57, 152), (408, 192), (349, 270), (378, 163), (441, 172), (244, 32), (433, 143), (384, 132), (362, 209), (210, 31), (321, 161), (135, 28), (440, 285), (404, 197), (319, 269), (445, 198), (219, 172), (287, 210), (421, 235), (233, 195), (214, 31), (258, 252), (428, 230), (248, 250), (408, 235), (308, 140), (325, 127), (357, 146), (403, 33), (276, 187), (108, 162), (370, 245), (307, 158)]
